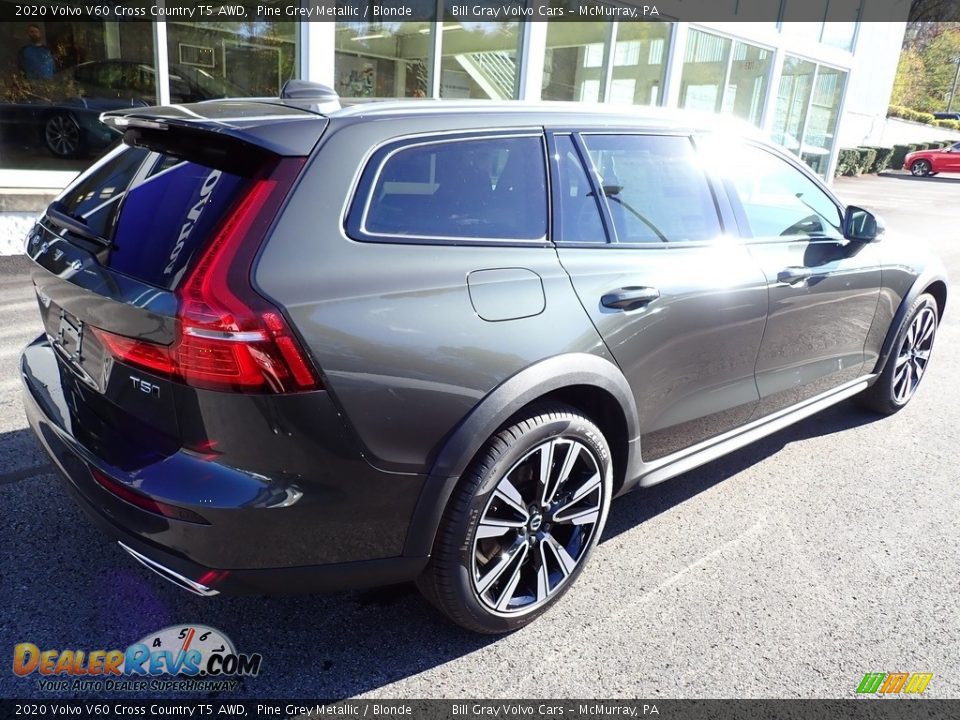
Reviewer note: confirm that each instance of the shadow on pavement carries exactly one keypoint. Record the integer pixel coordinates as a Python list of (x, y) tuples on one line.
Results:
[(645, 503), (69, 586), (953, 179)]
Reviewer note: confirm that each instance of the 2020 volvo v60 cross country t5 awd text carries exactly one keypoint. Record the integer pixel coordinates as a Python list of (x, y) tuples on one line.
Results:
[(290, 346)]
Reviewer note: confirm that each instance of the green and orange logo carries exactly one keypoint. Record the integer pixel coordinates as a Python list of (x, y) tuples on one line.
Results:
[(894, 683)]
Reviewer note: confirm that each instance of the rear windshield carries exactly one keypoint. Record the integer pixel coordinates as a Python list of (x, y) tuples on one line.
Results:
[(155, 210)]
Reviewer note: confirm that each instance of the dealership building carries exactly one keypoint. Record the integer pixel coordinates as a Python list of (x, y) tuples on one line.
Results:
[(815, 75)]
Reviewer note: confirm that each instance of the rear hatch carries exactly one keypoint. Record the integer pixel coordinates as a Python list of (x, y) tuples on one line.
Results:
[(144, 276)]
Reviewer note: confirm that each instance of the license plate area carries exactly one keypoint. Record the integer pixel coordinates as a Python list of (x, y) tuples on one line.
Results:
[(69, 338)]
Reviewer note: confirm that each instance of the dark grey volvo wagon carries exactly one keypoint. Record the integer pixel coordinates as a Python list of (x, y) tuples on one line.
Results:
[(292, 347)]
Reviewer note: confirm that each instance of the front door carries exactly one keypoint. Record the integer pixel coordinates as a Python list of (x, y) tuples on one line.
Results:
[(680, 306), (823, 289)]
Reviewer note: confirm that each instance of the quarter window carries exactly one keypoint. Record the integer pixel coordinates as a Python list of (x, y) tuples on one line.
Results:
[(490, 188), (655, 189)]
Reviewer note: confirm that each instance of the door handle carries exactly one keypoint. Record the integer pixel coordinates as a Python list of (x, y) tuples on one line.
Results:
[(629, 298), (794, 275)]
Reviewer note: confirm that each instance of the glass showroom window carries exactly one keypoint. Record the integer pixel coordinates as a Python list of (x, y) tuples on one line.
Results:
[(383, 59), (230, 59), (639, 62), (55, 80), (479, 59), (808, 104), (793, 97), (720, 75), (839, 28), (704, 71), (747, 81), (822, 118), (574, 65)]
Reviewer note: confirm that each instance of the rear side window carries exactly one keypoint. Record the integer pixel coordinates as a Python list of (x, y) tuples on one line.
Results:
[(466, 189), (655, 189), (156, 211)]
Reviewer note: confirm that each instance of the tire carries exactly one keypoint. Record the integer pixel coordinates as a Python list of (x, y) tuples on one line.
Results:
[(920, 168), (908, 360), (62, 135), (503, 556)]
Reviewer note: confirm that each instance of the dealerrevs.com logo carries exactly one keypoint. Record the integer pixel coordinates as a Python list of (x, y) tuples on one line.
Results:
[(179, 657)]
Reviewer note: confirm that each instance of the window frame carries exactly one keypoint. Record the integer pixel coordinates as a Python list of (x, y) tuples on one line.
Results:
[(357, 207), (724, 213), (743, 223)]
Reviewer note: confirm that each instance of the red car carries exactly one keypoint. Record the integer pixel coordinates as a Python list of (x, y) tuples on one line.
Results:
[(931, 162)]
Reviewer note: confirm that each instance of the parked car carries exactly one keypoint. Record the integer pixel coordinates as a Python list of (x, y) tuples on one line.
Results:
[(67, 120), (931, 162), (127, 79), (289, 347), (66, 126)]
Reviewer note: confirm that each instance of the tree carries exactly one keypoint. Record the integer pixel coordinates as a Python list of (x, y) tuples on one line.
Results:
[(940, 60), (908, 86), (927, 66)]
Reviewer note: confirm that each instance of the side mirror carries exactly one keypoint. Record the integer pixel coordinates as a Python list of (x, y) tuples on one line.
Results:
[(862, 225)]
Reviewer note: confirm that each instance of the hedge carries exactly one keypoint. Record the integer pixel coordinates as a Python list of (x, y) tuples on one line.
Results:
[(905, 113), (868, 156), (847, 161), (899, 153), (882, 160)]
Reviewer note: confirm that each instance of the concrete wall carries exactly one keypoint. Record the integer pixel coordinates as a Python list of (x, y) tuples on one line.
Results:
[(904, 132)]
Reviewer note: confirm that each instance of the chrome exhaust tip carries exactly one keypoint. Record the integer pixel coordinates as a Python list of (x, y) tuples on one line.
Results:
[(169, 575)]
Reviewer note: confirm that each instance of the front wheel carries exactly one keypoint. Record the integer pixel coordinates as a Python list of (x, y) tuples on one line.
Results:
[(920, 168), (522, 521), (908, 361)]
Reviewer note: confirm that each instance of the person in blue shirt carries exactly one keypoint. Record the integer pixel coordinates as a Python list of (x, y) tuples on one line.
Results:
[(35, 59)]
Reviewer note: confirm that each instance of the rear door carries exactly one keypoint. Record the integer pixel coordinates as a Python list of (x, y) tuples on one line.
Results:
[(680, 305), (823, 289)]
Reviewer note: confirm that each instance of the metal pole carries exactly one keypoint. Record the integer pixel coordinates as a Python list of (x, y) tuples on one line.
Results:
[(953, 92)]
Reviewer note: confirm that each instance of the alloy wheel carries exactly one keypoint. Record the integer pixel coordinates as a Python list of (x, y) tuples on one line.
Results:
[(920, 168), (537, 526), (62, 135), (914, 354)]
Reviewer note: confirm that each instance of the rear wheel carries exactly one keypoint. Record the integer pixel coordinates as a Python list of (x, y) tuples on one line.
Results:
[(920, 168), (908, 362), (521, 522)]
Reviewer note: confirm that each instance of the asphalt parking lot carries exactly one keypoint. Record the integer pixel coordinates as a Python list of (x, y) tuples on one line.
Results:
[(788, 569)]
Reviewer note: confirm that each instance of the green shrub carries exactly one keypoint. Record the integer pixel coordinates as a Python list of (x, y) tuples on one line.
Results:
[(920, 146), (882, 160), (948, 124), (898, 154), (848, 162), (867, 157)]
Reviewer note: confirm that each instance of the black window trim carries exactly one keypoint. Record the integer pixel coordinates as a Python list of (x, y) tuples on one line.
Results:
[(716, 194), (555, 190), (366, 180)]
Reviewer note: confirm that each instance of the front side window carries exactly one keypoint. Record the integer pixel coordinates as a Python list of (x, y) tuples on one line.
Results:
[(777, 199), (479, 189), (655, 189)]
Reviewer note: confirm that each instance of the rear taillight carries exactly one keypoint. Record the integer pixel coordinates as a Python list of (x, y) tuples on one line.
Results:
[(230, 337)]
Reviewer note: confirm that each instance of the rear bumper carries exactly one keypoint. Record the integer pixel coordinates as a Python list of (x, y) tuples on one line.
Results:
[(340, 525)]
